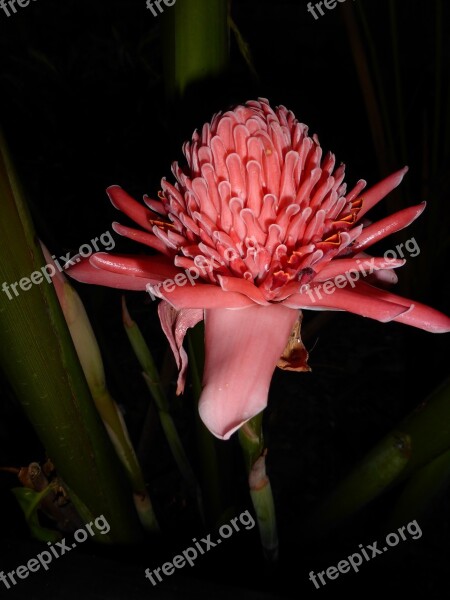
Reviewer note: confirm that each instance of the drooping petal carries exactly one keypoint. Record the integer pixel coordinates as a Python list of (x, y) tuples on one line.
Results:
[(175, 324), (242, 349)]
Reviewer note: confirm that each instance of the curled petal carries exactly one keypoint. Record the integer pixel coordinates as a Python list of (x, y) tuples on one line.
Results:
[(175, 324), (242, 348), (242, 286)]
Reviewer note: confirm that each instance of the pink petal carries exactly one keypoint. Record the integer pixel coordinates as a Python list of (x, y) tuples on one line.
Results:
[(175, 324), (128, 205), (152, 268), (124, 272), (87, 273), (380, 191), (349, 299), (363, 299), (362, 264), (387, 226), (383, 276), (243, 286), (242, 349), (149, 239), (419, 315), (199, 295), (155, 205)]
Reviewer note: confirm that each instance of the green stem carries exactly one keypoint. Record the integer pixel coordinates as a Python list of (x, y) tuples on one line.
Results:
[(196, 42), (90, 358), (118, 434), (206, 444), (153, 381), (420, 438), (38, 357), (370, 478), (252, 444), (420, 491)]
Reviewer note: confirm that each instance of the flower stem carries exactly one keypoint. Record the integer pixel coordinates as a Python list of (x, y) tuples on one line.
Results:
[(209, 463), (252, 444), (153, 381)]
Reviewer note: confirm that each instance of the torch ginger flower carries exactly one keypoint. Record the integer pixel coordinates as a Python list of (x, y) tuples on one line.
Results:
[(250, 232)]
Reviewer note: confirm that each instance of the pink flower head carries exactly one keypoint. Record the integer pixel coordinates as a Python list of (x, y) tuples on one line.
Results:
[(256, 227)]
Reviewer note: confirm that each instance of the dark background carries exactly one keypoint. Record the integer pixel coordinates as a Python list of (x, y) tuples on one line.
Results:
[(82, 105)]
